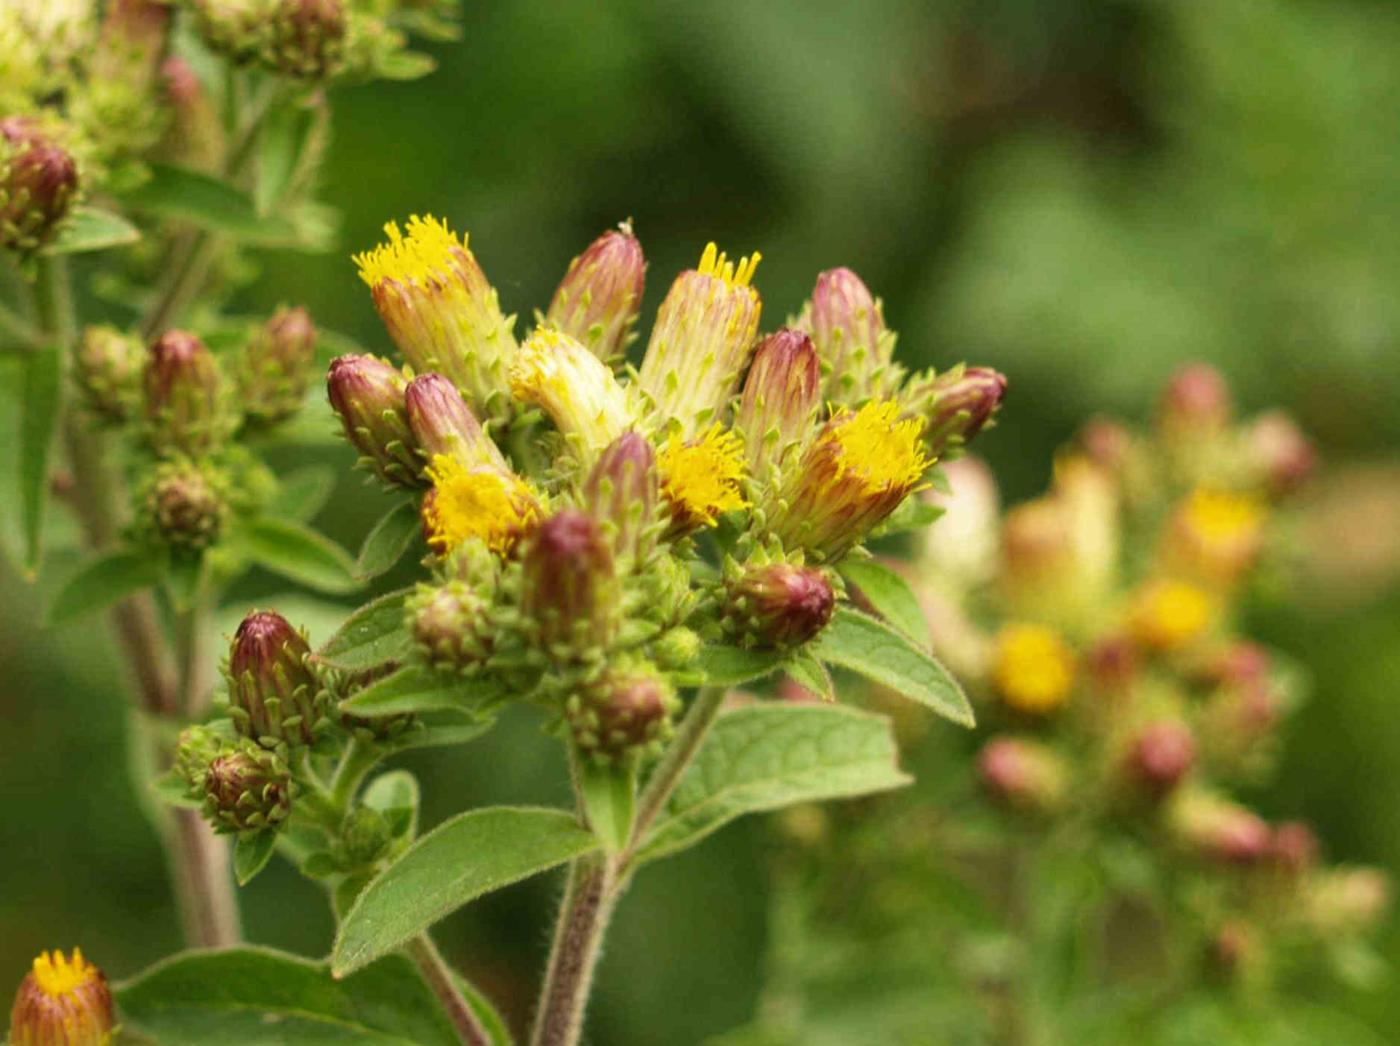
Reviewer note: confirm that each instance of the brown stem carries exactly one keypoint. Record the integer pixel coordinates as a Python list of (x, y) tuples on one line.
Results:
[(208, 908), (588, 902), (438, 976)]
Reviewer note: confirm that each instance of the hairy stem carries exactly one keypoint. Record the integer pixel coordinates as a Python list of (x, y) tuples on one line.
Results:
[(663, 780), (438, 976), (583, 917)]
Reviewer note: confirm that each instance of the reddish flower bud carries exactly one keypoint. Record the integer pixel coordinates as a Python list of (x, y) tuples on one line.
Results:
[(1294, 847), (276, 368), (781, 397), (848, 331), (955, 405), (184, 391), (368, 396), (450, 624), (1196, 401), (621, 492), (107, 365), (131, 44), (1107, 443), (442, 423), (1162, 755), (777, 604), (38, 181), (185, 505), (1216, 829), (598, 299), (247, 789), (626, 711), (274, 696), (308, 37), (1024, 774), (1234, 947), (1278, 453), (62, 1002), (569, 588)]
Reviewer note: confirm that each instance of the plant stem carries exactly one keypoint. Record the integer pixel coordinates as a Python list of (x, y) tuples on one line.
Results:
[(663, 780), (438, 976), (589, 898), (357, 761)]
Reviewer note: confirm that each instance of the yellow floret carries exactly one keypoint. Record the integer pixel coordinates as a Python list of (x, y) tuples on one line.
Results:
[(1033, 668)]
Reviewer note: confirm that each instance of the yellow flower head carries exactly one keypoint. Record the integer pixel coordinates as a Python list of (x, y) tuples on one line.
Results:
[(426, 254), (62, 1000), (576, 389), (488, 504), (714, 262), (1033, 669), (1169, 614), (1215, 535), (877, 449), (702, 479)]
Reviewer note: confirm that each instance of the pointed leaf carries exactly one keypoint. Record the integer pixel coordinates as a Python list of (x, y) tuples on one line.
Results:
[(415, 689), (371, 637), (92, 229), (41, 403), (889, 593), (463, 858), (723, 665), (807, 672), (763, 757), (251, 854), (395, 795), (300, 553), (102, 581), (208, 203), (391, 537), (305, 492), (857, 641)]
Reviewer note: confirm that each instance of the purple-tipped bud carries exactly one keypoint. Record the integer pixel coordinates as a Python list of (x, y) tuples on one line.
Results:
[(598, 299), (1278, 453), (185, 505), (248, 789), (1107, 443), (569, 587), (184, 392), (276, 368), (781, 397), (62, 1002), (368, 396), (621, 492), (1196, 401), (848, 331), (194, 137), (1216, 829), (274, 696), (442, 423), (1026, 775), (777, 604), (449, 624), (1162, 755), (1294, 847), (107, 366), (626, 711), (956, 405), (307, 39), (38, 181)]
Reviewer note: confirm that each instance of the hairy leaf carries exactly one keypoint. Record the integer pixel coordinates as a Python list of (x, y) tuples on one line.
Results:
[(91, 229), (723, 665), (609, 797), (300, 553), (372, 636), (386, 544), (304, 493), (102, 581), (251, 854), (416, 689), (206, 202), (890, 595)]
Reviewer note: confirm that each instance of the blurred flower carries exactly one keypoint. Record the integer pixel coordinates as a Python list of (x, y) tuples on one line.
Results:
[(1167, 615), (368, 396), (62, 1001), (1216, 829), (1196, 402), (577, 390), (1032, 668), (275, 371), (1278, 455), (702, 479), (307, 38), (598, 300), (38, 182), (1345, 900), (1162, 754), (185, 397), (194, 137), (483, 503), (961, 545), (1294, 847), (185, 504), (1214, 536), (107, 366), (1024, 774)]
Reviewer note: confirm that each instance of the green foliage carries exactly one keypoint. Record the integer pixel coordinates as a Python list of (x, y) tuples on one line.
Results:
[(372, 636), (41, 404), (92, 229), (104, 580), (388, 540), (416, 689), (889, 593), (300, 554)]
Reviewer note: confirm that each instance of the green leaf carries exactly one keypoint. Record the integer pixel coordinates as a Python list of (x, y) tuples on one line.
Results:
[(395, 795), (610, 799), (259, 997), (857, 641), (723, 665), (91, 229), (889, 593), (251, 854), (304, 493), (41, 403), (102, 581), (405, 65), (210, 204), (391, 537), (184, 578), (371, 637), (415, 689), (463, 858), (768, 756), (300, 553), (806, 671), (437, 731)]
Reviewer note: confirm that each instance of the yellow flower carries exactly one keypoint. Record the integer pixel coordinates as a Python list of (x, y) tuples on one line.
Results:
[(62, 1000), (494, 506), (1169, 614), (576, 389), (702, 479), (1033, 669), (1215, 536)]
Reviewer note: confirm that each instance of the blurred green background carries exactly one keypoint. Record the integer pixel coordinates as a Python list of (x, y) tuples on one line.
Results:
[(1082, 194)]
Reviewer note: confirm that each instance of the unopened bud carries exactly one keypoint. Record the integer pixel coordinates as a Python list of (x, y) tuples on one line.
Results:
[(1294, 847), (38, 181), (308, 37), (450, 625), (1216, 829), (239, 29), (781, 395), (184, 391), (598, 300), (1196, 403), (676, 648), (701, 340), (442, 423), (276, 368), (247, 789), (62, 1001), (1278, 454), (185, 504), (1162, 755), (1024, 774), (626, 711), (365, 837), (777, 604), (274, 696), (107, 368), (131, 44), (621, 492), (569, 593), (368, 396), (1111, 664), (1107, 443), (956, 405), (848, 331), (583, 398)]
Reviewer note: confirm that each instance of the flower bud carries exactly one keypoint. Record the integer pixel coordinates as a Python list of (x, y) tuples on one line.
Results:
[(274, 696), (450, 624), (776, 604), (239, 29), (1277, 453), (676, 648), (621, 493), (626, 711), (781, 395), (1024, 774), (1214, 537), (701, 479), (1168, 615), (1032, 669), (859, 468), (184, 395), (185, 505), (576, 389), (107, 366), (38, 182), (194, 138), (1347, 900), (442, 423), (195, 749), (955, 405), (368, 396), (276, 368), (848, 330), (1293, 847), (441, 311), (308, 37), (1196, 401), (568, 592), (247, 789), (62, 1002), (1216, 829), (1162, 755), (701, 340), (365, 837), (1107, 443), (598, 300)]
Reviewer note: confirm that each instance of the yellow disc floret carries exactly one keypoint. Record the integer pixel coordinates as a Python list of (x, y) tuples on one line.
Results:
[(56, 974), (877, 448), (421, 255), (62, 1001), (1220, 515), (702, 479), (1033, 669), (714, 262), (1169, 614), (576, 389), (484, 503)]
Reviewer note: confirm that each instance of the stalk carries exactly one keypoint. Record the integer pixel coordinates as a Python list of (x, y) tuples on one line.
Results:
[(438, 976)]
